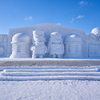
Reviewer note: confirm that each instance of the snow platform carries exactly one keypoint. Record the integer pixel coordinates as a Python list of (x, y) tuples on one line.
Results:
[(48, 62)]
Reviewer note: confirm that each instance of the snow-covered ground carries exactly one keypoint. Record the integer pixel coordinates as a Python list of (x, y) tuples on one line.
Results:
[(50, 90), (49, 83)]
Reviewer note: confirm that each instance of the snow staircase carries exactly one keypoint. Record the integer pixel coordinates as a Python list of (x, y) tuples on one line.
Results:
[(49, 73)]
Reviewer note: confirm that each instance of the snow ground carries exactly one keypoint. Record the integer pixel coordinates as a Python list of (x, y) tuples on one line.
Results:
[(65, 89), (50, 90)]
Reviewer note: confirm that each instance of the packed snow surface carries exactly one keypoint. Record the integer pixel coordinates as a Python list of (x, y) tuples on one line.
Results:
[(49, 83), (50, 90)]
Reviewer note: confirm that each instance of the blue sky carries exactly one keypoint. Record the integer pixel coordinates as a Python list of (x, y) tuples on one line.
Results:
[(79, 14)]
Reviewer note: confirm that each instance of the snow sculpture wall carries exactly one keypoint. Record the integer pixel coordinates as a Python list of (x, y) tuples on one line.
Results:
[(48, 29), (20, 46), (55, 45), (73, 46), (3, 45), (39, 48)]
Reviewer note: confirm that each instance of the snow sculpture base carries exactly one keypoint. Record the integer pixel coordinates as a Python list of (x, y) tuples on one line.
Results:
[(48, 62)]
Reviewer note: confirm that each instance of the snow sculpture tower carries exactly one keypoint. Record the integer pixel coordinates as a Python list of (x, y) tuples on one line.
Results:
[(95, 34), (55, 46), (20, 46), (39, 48)]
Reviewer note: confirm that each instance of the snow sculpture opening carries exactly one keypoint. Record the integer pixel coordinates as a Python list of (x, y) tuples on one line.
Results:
[(55, 45), (39, 48), (73, 46), (20, 46)]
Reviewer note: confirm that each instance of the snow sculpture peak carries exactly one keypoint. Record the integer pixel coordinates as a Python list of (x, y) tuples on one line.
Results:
[(55, 34), (39, 48), (55, 46), (96, 32), (73, 38), (21, 37)]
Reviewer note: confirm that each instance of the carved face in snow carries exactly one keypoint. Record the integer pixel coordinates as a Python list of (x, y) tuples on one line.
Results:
[(56, 39)]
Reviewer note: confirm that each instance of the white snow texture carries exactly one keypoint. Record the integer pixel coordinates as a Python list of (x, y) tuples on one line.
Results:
[(53, 83)]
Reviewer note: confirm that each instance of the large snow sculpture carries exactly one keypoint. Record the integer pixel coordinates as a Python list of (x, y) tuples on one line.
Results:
[(73, 46), (55, 46), (95, 34), (20, 46), (39, 48)]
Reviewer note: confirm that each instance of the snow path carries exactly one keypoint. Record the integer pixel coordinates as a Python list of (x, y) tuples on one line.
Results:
[(50, 90)]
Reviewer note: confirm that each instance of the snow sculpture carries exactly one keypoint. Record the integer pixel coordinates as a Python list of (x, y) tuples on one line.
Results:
[(73, 46), (39, 48), (95, 34), (55, 46), (20, 46), (77, 45)]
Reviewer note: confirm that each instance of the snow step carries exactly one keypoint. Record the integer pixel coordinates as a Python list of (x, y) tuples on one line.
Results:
[(50, 70), (49, 78), (49, 73), (47, 67), (20, 74)]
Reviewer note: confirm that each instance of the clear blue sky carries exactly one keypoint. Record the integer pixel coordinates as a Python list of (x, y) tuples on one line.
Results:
[(79, 14)]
